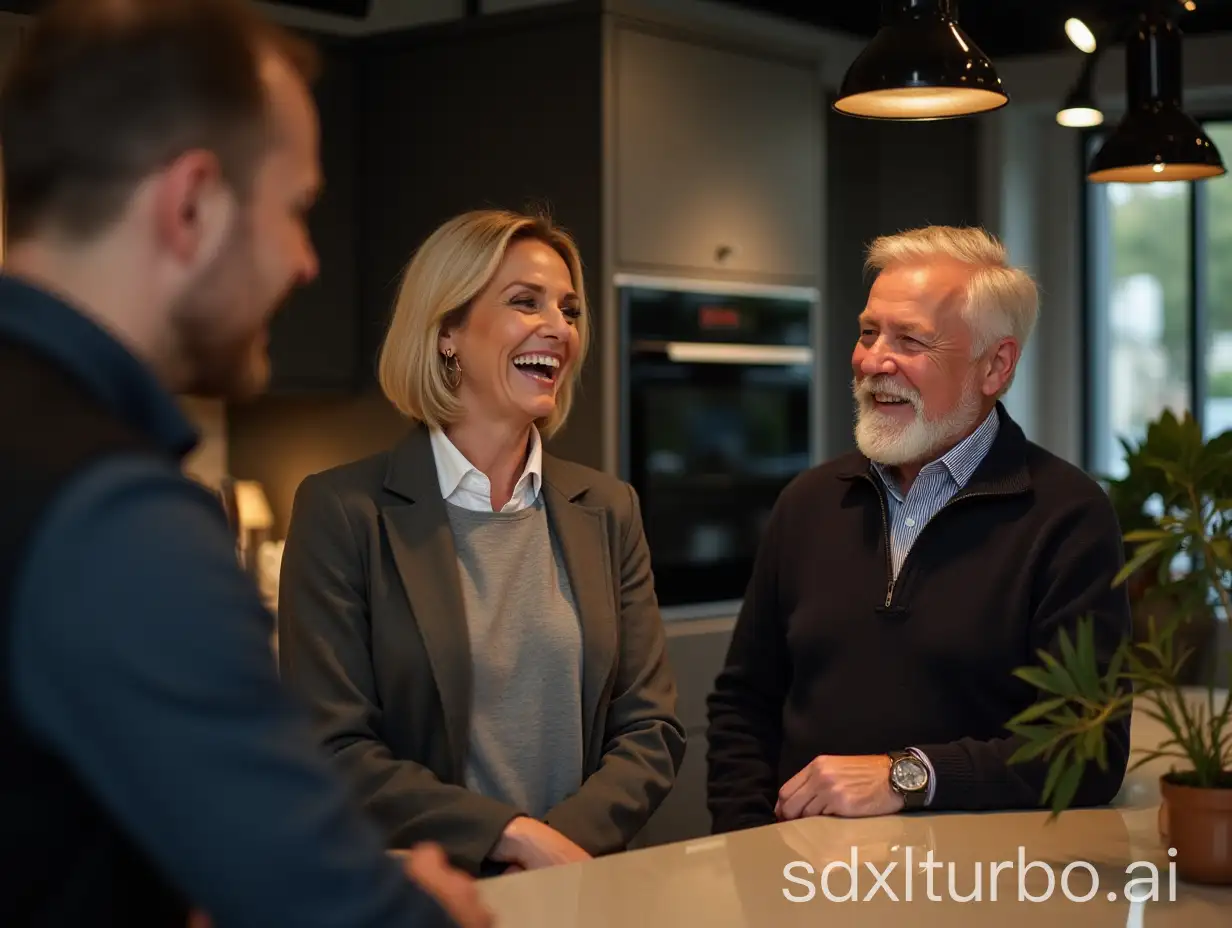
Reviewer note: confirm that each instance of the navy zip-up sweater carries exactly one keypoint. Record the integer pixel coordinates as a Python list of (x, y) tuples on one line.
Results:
[(152, 761), (830, 656)]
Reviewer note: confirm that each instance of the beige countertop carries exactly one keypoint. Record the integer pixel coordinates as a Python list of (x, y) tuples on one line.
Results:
[(738, 881)]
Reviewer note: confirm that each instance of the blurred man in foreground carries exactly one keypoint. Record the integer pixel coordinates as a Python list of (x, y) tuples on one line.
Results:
[(160, 157)]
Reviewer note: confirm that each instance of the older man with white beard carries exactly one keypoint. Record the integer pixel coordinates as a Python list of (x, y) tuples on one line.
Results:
[(898, 586)]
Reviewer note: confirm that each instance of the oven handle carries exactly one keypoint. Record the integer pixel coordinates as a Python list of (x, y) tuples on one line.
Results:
[(727, 353)]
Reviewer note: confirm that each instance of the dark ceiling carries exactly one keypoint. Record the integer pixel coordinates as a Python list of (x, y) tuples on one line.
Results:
[(1002, 28)]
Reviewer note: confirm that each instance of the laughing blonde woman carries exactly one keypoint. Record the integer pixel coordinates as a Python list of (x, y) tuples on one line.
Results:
[(473, 619)]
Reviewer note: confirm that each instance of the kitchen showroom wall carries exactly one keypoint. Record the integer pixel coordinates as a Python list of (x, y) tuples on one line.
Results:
[(1014, 172), (880, 178), (282, 438)]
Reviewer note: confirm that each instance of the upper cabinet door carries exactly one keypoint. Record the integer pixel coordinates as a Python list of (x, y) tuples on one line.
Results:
[(314, 340), (718, 161)]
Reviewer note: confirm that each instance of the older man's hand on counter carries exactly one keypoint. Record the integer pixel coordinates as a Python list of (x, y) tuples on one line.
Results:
[(852, 787)]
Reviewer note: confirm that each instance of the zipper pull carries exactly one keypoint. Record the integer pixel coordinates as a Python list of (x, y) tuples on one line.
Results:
[(889, 594)]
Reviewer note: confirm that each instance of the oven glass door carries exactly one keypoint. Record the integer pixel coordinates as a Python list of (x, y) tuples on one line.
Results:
[(715, 433)]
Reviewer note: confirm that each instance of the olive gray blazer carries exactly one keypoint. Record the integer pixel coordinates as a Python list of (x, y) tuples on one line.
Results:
[(372, 633)]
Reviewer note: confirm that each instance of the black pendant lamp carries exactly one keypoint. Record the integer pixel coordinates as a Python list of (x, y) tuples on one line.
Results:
[(1155, 140), (920, 65), (1080, 109)]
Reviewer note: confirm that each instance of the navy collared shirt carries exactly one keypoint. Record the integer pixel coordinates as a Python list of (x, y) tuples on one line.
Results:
[(140, 654)]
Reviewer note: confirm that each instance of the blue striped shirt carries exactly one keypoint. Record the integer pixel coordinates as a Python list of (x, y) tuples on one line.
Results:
[(935, 486)]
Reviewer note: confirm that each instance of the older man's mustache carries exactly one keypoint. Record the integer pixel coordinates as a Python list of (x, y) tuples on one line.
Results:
[(865, 390)]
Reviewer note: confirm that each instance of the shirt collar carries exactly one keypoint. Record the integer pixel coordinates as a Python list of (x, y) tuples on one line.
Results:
[(452, 467), (110, 372), (960, 461)]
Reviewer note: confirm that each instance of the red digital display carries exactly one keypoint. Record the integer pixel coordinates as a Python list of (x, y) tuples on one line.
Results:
[(718, 317)]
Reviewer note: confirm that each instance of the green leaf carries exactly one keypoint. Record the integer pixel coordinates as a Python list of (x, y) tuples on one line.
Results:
[(1165, 718), (1175, 471), (1091, 741), (1080, 659), (1037, 710), (1225, 714), (1067, 787), (1036, 731), (1038, 677), (1221, 550), (1141, 556), (1112, 679), (1069, 660), (1221, 444), (1032, 749), (1149, 756), (1101, 754), (1064, 681), (1054, 771), (1145, 534)]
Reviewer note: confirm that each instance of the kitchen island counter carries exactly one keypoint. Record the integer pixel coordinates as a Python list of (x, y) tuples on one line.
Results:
[(738, 880)]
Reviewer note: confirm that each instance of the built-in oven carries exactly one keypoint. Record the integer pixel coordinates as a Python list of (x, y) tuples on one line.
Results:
[(718, 415)]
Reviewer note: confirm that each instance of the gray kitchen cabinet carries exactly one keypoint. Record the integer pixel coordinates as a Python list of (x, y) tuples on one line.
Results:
[(696, 651), (314, 339), (718, 164)]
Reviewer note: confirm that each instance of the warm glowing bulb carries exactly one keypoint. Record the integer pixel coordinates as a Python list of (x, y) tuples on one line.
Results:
[(1159, 168), (1078, 117), (1190, 5), (920, 102), (1080, 34)]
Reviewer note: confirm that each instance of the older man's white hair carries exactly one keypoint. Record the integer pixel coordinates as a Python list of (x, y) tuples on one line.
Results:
[(1001, 301)]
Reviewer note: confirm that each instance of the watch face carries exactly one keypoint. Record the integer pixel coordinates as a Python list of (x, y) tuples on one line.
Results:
[(910, 775)]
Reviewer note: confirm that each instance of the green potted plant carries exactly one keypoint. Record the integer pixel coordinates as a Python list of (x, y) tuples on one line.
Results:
[(1161, 588), (1149, 671)]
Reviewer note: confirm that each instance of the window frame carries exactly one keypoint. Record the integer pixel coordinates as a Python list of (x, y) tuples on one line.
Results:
[(1091, 221)]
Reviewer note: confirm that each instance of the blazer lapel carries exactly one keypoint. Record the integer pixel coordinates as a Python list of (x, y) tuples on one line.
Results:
[(421, 541), (581, 532)]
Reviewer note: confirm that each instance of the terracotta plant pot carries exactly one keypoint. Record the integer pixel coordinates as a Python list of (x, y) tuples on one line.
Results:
[(1198, 823)]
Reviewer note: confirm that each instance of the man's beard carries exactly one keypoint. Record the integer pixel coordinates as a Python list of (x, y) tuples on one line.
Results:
[(221, 335), (881, 436)]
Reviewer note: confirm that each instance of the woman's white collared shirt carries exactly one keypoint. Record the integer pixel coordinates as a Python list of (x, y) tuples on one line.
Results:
[(464, 485)]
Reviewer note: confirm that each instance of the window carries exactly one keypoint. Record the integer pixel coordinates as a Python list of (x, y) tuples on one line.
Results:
[(1215, 281), (1159, 306)]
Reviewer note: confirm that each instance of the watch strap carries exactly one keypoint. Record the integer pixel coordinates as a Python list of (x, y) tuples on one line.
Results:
[(912, 798)]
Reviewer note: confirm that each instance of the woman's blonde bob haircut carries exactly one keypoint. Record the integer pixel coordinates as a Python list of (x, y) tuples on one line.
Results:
[(449, 270)]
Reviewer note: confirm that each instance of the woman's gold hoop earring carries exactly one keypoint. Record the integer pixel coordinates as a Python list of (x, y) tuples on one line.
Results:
[(453, 369)]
